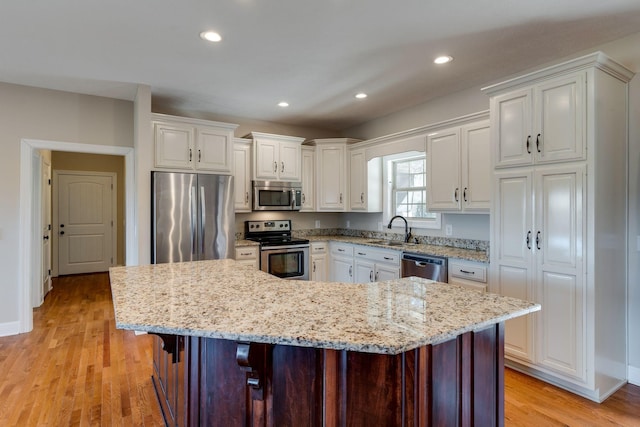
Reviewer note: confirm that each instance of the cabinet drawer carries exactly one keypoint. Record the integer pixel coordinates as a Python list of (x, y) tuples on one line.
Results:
[(342, 249), (477, 273), (378, 256), (247, 253), (319, 247)]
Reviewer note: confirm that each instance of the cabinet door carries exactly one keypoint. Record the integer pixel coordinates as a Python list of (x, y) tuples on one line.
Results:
[(512, 259), (174, 146), (213, 150), (386, 272), (341, 269), (266, 159), (364, 271), (290, 159), (476, 167), (444, 191), (319, 268), (559, 269), (242, 178), (511, 128), (357, 180), (331, 175), (308, 179), (560, 119)]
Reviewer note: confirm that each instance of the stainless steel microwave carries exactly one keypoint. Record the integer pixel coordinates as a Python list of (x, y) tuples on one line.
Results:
[(277, 196)]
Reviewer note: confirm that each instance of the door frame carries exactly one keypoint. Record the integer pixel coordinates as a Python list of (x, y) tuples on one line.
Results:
[(29, 240), (55, 214)]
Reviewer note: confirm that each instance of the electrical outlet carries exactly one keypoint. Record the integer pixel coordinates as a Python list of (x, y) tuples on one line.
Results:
[(348, 224), (317, 223), (448, 230)]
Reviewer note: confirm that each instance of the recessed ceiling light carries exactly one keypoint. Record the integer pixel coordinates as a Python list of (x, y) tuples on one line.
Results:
[(361, 95), (443, 59), (283, 104), (211, 36)]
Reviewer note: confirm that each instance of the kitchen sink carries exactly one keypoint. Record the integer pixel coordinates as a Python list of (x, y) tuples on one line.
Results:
[(387, 242)]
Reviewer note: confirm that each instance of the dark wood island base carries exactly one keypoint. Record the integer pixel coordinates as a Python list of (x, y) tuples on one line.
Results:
[(217, 382)]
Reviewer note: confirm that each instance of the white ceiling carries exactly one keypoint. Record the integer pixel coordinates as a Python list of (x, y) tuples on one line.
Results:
[(315, 54)]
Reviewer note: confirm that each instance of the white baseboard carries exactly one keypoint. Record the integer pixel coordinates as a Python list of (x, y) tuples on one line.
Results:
[(634, 375), (9, 328)]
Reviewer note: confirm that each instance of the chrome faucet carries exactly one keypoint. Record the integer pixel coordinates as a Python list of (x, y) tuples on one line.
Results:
[(407, 230)]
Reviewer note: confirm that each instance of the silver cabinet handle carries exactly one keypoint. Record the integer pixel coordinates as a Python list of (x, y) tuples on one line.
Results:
[(245, 253), (340, 250), (538, 144), (455, 194), (467, 272), (304, 199), (246, 197), (362, 253), (529, 144), (275, 167), (371, 276), (340, 197), (282, 167), (314, 266), (529, 239), (190, 154), (361, 197), (388, 258), (538, 239), (376, 276), (350, 271), (199, 156), (464, 194)]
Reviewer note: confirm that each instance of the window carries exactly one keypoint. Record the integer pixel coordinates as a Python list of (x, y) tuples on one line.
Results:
[(407, 190)]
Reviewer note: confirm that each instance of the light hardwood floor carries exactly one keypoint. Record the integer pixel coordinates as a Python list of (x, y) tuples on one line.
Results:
[(76, 369)]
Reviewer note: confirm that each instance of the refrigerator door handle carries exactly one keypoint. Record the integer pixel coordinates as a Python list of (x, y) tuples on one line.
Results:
[(194, 221), (203, 221)]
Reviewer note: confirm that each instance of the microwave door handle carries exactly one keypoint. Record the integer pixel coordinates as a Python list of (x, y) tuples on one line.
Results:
[(293, 199)]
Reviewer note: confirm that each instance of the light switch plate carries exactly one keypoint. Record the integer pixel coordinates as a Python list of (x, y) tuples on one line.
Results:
[(317, 223), (448, 230), (348, 224)]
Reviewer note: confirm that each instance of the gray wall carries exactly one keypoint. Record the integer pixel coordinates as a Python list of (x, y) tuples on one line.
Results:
[(33, 113)]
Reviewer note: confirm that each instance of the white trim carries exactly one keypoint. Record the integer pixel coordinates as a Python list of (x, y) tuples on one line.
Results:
[(26, 246), (9, 328), (634, 375)]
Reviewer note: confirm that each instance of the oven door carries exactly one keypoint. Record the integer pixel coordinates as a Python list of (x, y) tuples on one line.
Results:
[(286, 262)]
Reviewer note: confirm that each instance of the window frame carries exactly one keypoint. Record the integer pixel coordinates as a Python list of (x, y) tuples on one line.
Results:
[(389, 166)]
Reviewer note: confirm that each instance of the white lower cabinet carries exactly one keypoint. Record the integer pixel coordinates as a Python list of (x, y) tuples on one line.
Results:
[(318, 262), (248, 255), (468, 274), (341, 262), (375, 265)]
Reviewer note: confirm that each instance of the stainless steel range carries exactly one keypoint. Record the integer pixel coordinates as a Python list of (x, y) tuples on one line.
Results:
[(280, 254)]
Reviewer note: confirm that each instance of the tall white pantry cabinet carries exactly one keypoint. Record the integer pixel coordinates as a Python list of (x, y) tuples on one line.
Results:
[(559, 220)]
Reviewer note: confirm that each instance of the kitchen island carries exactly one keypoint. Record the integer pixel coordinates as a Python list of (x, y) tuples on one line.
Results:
[(242, 347)]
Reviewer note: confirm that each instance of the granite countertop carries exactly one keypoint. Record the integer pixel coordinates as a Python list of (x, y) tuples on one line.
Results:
[(243, 243), (223, 299), (436, 250)]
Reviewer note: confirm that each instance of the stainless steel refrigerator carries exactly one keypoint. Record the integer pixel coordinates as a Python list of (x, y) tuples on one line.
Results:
[(192, 217)]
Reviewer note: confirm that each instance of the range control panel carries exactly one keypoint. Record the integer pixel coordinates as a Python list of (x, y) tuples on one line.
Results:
[(266, 226)]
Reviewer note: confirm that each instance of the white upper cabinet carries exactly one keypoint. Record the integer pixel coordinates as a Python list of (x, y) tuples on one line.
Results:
[(543, 123), (308, 178), (192, 144), (242, 174), (365, 182), (331, 173), (276, 157), (459, 169)]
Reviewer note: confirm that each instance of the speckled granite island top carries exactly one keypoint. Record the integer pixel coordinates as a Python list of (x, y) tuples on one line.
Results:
[(223, 299)]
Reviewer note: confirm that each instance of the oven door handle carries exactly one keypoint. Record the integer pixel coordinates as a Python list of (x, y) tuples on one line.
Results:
[(284, 248)]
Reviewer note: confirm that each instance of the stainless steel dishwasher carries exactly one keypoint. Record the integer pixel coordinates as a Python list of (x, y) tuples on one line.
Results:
[(428, 267)]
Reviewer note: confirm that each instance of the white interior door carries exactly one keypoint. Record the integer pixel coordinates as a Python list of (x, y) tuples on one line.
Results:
[(46, 227), (86, 221)]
